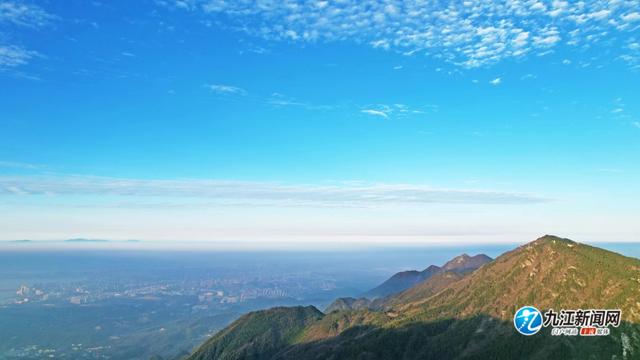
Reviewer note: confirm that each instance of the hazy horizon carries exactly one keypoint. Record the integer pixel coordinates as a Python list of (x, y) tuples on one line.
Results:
[(628, 248)]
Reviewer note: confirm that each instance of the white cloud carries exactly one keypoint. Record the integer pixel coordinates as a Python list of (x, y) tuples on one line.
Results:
[(226, 89), (538, 6), (373, 112), (630, 17), (397, 110), (521, 39), (278, 99), (221, 192), (496, 81), (599, 15), (382, 43), (548, 38), (636, 124), (11, 56), (450, 31), (18, 13)]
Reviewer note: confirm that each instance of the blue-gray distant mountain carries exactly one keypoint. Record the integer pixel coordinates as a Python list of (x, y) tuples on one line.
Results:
[(407, 279), (82, 240)]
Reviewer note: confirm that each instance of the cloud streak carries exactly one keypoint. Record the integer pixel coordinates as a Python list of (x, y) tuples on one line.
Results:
[(256, 193), (397, 110), (373, 112), (21, 14), (12, 56), (226, 89)]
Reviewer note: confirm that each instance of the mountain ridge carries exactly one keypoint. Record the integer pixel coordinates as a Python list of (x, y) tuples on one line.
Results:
[(406, 279), (469, 315)]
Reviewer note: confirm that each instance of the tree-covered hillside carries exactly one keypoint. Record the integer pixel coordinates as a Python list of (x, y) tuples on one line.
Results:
[(459, 317)]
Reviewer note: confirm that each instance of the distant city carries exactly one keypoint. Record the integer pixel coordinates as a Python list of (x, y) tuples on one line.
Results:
[(196, 295), (87, 304)]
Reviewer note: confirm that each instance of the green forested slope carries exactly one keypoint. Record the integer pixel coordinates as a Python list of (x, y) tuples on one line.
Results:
[(460, 317)]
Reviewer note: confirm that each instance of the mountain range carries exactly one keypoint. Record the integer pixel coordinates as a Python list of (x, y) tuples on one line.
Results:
[(458, 315), (403, 280), (406, 279)]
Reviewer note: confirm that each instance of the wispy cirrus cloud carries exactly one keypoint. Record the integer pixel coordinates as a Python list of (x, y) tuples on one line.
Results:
[(451, 31), (396, 110), (275, 99), (12, 56), (257, 193), (632, 53), (226, 89), (19, 14), (280, 100), (23, 14), (380, 113)]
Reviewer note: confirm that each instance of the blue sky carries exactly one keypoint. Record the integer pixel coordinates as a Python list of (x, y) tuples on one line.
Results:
[(374, 121)]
